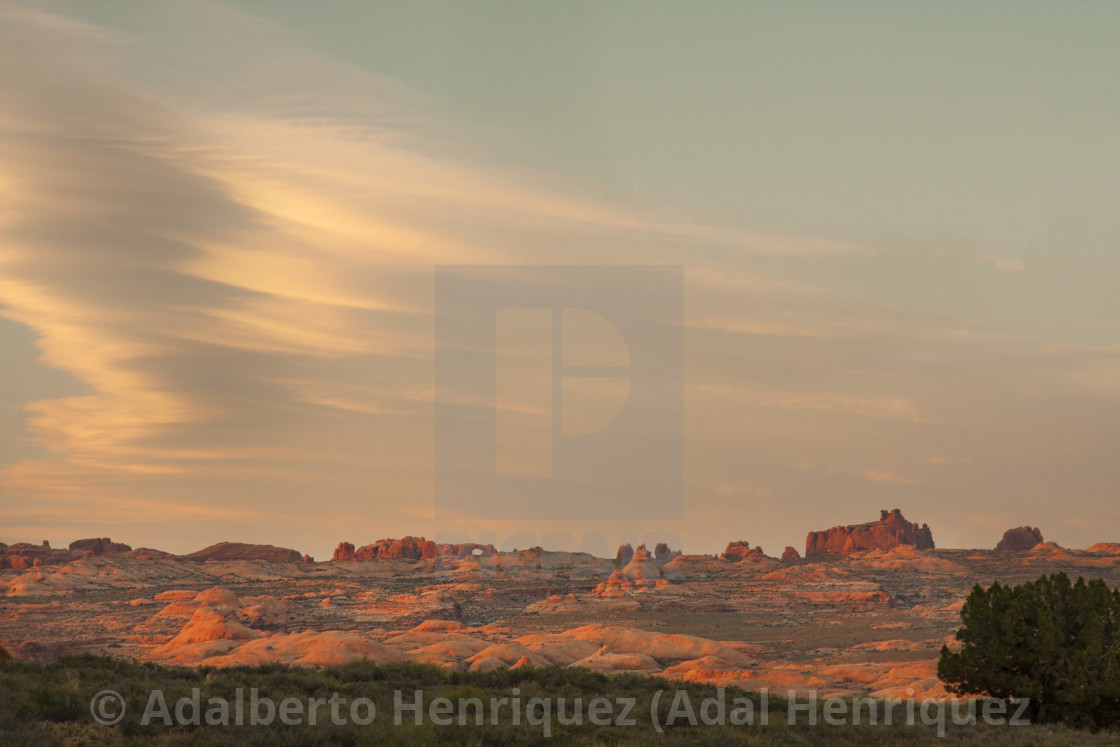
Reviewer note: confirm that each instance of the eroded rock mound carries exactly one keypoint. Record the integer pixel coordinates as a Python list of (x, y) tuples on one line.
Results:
[(791, 553), (1020, 539), (742, 550), (245, 551), (147, 553), (891, 530)]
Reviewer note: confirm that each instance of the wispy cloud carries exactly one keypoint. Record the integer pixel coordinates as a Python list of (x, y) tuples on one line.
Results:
[(235, 260)]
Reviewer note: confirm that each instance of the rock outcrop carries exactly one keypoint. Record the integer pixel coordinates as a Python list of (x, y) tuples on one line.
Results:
[(661, 554), (742, 550), (410, 548), (24, 555), (791, 553), (890, 531), (147, 553), (98, 546), (1020, 539), (245, 551)]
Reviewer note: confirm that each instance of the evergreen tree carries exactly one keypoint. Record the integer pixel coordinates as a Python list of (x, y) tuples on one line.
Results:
[(1048, 640)]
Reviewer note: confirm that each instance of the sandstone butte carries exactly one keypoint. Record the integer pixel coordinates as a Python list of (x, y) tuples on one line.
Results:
[(1020, 539), (891, 530)]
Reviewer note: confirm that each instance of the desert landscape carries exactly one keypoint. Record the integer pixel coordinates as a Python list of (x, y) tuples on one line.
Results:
[(535, 353), (866, 610)]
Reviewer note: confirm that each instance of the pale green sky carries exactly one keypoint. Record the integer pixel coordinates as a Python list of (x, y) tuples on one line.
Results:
[(897, 220)]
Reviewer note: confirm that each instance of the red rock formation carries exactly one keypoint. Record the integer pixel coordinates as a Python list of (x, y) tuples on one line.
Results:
[(385, 549), (98, 546), (24, 555), (245, 551), (409, 548), (1019, 539), (742, 550), (344, 551), (662, 553), (791, 553), (890, 531), (624, 554)]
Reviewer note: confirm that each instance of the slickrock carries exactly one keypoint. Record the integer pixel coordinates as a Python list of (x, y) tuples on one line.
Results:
[(266, 612), (905, 558), (308, 648), (557, 648), (407, 610), (510, 652), (437, 626), (610, 661), (449, 653), (670, 647), (211, 624), (218, 596), (890, 531), (560, 604), (178, 608), (489, 664)]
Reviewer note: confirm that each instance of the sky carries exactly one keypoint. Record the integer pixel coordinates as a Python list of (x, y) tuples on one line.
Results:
[(220, 223)]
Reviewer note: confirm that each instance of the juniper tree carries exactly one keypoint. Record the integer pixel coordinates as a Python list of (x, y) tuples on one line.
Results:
[(1047, 640)]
